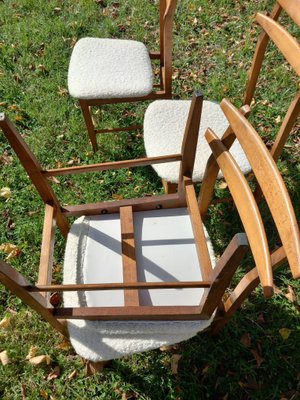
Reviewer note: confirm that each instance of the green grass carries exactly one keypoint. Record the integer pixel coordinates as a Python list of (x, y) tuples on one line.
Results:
[(213, 45)]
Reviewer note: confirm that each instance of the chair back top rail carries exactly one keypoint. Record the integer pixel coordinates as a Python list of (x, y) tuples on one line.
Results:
[(286, 43), (247, 209), (292, 7)]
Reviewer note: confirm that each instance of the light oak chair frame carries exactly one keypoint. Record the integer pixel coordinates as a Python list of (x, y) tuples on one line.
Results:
[(167, 11), (215, 281)]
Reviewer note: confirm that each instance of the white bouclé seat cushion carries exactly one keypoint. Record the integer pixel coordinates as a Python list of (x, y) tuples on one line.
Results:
[(164, 125), (165, 250), (109, 68)]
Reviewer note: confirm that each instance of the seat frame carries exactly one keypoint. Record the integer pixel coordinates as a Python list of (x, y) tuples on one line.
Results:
[(215, 280), (164, 56)]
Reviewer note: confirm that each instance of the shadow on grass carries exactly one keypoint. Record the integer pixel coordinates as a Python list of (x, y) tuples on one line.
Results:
[(249, 359)]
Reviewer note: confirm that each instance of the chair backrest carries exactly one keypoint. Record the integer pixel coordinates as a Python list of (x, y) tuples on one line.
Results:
[(290, 48), (272, 186), (167, 11), (215, 280)]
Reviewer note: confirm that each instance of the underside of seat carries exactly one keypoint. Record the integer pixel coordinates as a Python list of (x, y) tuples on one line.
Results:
[(109, 68), (164, 126), (165, 250)]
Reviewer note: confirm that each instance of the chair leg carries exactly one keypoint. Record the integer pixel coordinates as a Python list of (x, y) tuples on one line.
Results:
[(89, 123), (169, 187)]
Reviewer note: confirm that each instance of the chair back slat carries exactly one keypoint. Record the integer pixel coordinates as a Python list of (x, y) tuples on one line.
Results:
[(292, 7), (258, 58), (247, 209), (271, 183), (285, 42)]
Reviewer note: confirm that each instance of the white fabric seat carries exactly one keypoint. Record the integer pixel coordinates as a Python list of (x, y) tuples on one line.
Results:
[(109, 68), (165, 250), (164, 125)]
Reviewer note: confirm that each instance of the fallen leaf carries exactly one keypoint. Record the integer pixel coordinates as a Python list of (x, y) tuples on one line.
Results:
[(285, 333), (43, 359), (174, 363), (32, 352), (291, 295), (278, 119), (117, 196), (44, 394), (257, 357), (4, 358), (246, 340), (6, 159), (10, 249), (5, 322), (23, 391), (277, 290), (91, 368), (223, 185), (54, 374), (65, 345), (5, 192)]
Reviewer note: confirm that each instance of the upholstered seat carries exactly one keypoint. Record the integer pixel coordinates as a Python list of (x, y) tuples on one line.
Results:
[(109, 68), (164, 125), (164, 242)]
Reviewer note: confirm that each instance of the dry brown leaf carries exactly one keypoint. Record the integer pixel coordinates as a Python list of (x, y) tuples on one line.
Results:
[(5, 159), (43, 359), (174, 363), (223, 185), (65, 345), (246, 340), (277, 290), (11, 250), (285, 333), (117, 196), (91, 368), (5, 322), (257, 357), (291, 295), (32, 352), (54, 374), (44, 394), (5, 192), (4, 358), (62, 91), (166, 348)]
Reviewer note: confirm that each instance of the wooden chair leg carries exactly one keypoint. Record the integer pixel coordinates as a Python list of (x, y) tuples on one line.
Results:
[(89, 123), (169, 187)]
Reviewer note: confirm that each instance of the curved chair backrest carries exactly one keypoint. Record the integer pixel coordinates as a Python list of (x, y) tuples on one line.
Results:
[(290, 48)]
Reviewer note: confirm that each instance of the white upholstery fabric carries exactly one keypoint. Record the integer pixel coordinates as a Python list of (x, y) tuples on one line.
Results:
[(164, 125), (109, 68), (165, 249)]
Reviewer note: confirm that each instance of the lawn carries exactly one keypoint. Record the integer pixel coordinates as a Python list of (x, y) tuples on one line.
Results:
[(257, 355)]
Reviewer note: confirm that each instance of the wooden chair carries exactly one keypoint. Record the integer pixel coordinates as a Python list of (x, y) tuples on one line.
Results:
[(164, 120), (105, 71), (141, 273)]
